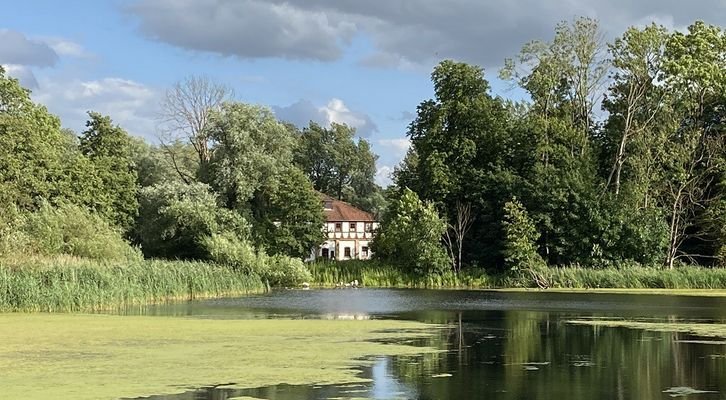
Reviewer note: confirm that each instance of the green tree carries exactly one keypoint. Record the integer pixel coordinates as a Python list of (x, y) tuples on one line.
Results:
[(38, 160), (459, 144), (251, 148), (109, 149), (410, 236), (695, 73), (288, 215), (520, 235), (175, 218), (340, 166)]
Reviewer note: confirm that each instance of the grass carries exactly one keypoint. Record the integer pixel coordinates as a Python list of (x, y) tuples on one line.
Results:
[(71, 284), (64, 356), (376, 274)]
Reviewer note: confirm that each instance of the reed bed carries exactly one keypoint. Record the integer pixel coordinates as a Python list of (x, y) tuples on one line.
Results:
[(377, 274), (70, 284)]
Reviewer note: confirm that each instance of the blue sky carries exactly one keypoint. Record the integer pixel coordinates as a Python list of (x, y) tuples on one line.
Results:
[(364, 63)]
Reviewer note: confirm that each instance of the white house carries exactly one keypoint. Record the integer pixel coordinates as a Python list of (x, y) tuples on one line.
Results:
[(348, 229)]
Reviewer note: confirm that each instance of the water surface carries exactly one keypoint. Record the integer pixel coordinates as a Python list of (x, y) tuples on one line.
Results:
[(501, 345)]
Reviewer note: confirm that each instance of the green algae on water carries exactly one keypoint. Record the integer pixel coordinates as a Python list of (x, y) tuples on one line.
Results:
[(60, 356), (698, 329)]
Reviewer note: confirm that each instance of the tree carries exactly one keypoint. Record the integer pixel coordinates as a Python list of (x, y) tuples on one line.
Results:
[(175, 219), (410, 236), (459, 228), (566, 76), (251, 148), (340, 166), (38, 160), (185, 112), (109, 149), (289, 216), (634, 100), (459, 144), (520, 249), (695, 72)]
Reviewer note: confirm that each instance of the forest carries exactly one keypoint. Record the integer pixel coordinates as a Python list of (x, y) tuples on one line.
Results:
[(615, 158)]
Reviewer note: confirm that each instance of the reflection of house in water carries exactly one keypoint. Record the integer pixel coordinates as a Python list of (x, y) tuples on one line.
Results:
[(356, 317), (348, 229)]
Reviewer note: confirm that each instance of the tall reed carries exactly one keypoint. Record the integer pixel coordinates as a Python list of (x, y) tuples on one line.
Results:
[(73, 284), (376, 274)]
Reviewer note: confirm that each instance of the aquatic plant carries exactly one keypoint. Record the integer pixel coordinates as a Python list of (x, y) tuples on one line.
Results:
[(72, 284)]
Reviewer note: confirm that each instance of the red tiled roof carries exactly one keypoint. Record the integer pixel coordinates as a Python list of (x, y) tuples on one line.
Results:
[(343, 212)]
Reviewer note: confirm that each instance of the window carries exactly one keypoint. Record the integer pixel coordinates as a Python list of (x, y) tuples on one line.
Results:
[(352, 226), (328, 204), (347, 252), (369, 227), (338, 226), (364, 251)]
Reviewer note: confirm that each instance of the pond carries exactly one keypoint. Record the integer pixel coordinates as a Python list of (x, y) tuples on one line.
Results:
[(500, 345)]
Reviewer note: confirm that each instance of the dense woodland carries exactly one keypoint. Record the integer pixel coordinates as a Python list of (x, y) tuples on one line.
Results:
[(618, 157)]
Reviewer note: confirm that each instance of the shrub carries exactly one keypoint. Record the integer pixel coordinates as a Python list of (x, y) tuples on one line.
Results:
[(410, 236), (174, 218), (229, 250), (66, 229)]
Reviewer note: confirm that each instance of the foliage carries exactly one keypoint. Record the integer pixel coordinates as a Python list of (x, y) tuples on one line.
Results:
[(108, 147), (339, 166), (251, 149), (520, 235), (277, 270), (174, 219), (38, 160), (77, 284), (410, 236), (288, 215), (66, 230)]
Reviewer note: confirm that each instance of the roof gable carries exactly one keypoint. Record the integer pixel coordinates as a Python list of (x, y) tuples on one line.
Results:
[(341, 211)]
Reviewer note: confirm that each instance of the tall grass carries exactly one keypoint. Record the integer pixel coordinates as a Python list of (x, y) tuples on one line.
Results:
[(73, 284), (376, 274)]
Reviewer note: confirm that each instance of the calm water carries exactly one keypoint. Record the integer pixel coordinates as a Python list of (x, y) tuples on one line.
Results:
[(501, 345)]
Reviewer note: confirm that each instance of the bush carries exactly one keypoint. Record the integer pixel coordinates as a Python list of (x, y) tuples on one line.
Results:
[(278, 270), (174, 219), (65, 229)]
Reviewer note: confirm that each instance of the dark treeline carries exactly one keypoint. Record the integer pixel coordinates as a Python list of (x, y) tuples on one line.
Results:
[(618, 158)]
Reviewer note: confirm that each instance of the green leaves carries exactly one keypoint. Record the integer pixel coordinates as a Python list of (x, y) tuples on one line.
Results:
[(410, 236)]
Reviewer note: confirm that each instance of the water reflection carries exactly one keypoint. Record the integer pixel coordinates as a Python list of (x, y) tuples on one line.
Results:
[(502, 345)]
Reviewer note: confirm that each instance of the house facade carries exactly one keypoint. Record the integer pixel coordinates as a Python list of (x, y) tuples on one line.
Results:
[(349, 231)]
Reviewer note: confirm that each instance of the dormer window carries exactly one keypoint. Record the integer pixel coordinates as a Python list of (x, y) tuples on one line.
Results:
[(328, 204)]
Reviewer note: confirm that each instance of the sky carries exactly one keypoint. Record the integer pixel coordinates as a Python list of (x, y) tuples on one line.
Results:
[(364, 63)]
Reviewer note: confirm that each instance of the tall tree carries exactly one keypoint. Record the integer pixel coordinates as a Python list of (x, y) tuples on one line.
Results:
[(185, 112), (459, 144), (289, 216), (38, 160), (109, 149), (251, 148), (695, 72), (634, 100), (339, 165)]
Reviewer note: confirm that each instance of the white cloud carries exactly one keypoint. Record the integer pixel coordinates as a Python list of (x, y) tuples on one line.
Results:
[(383, 175), (23, 74), (398, 147), (130, 104), (303, 111), (64, 47)]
